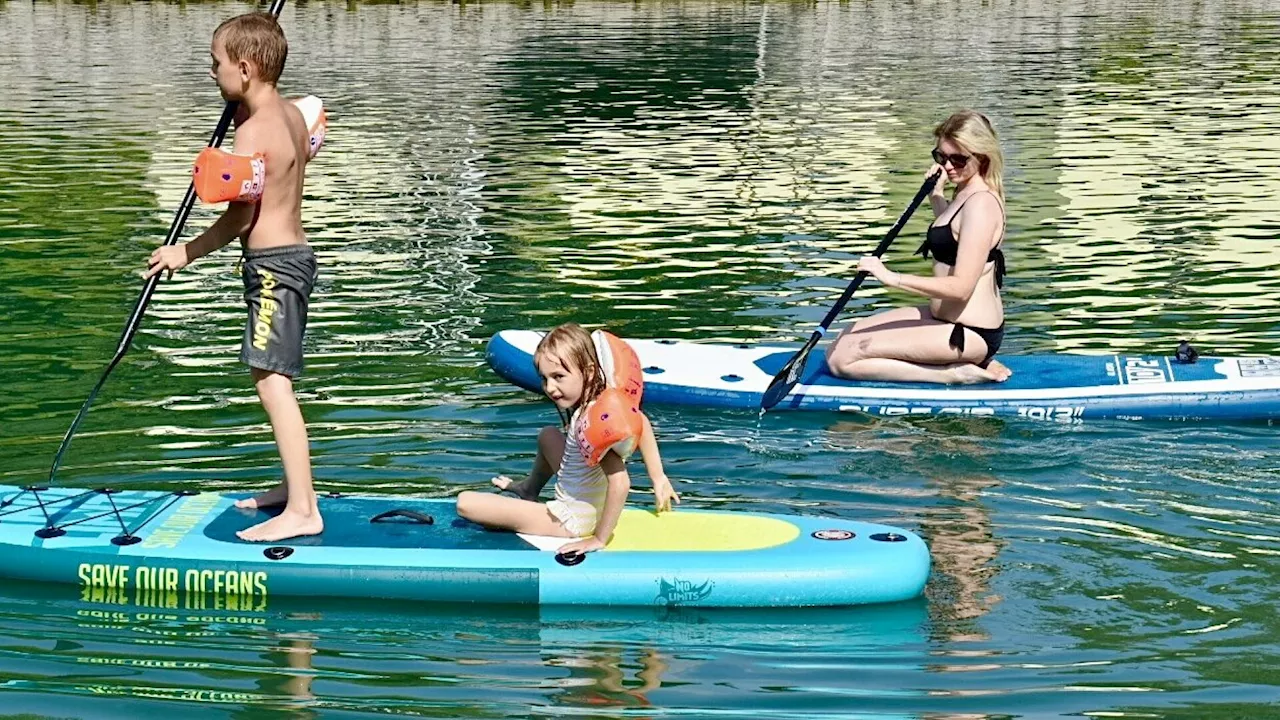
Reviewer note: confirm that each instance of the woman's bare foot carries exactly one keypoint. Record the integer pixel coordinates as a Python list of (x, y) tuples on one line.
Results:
[(288, 524), (277, 495), (519, 489), (999, 370), (970, 374)]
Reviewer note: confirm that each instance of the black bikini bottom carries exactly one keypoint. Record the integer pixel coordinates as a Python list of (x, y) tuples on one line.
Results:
[(991, 336)]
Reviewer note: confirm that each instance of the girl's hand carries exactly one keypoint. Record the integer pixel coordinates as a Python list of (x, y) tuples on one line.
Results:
[(664, 494), (581, 547)]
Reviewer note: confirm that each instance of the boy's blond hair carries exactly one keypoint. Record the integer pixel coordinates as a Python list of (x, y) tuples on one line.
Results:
[(258, 38)]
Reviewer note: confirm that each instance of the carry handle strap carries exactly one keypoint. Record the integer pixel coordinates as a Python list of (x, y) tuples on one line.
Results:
[(417, 517)]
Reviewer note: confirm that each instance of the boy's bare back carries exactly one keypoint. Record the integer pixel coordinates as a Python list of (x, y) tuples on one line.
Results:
[(278, 131)]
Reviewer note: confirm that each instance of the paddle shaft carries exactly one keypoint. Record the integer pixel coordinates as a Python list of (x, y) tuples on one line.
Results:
[(881, 249), (149, 288), (787, 377)]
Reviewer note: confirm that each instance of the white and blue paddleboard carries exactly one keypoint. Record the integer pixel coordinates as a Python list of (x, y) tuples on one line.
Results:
[(143, 545), (1058, 386)]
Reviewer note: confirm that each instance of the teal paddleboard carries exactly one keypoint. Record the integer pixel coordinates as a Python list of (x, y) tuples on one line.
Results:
[(151, 542)]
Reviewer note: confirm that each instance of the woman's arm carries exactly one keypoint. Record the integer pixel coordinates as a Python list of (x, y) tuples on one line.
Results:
[(981, 219), (938, 198)]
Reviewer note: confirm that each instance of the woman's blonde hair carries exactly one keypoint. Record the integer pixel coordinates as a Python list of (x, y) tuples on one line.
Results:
[(571, 345), (972, 132)]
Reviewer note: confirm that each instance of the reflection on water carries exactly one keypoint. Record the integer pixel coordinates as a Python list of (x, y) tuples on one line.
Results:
[(952, 515), (323, 655), (706, 171)]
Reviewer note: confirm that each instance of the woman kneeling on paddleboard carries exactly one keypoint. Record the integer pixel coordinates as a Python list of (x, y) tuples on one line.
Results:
[(954, 338)]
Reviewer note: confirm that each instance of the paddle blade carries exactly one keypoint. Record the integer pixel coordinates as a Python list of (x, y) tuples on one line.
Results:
[(789, 375)]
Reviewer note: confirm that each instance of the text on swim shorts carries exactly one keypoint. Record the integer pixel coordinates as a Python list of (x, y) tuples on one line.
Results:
[(266, 309)]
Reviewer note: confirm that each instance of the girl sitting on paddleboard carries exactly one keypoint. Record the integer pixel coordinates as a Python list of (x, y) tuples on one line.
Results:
[(953, 339), (595, 382)]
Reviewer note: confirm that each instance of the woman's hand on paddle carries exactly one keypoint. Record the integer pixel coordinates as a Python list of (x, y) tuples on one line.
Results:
[(940, 186), (872, 265), (581, 547), (167, 257), (663, 494)]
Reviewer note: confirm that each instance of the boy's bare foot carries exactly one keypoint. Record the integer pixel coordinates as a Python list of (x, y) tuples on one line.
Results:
[(519, 489), (275, 496), (970, 374), (288, 524), (999, 370)]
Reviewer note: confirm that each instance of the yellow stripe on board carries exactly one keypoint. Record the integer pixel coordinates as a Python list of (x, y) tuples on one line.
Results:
[(685, 530)]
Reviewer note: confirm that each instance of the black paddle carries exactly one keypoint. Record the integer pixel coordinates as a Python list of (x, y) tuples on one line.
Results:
[(789, 375), (148, 289)]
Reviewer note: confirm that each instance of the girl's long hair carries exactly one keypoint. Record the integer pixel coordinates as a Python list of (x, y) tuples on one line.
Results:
[(973, 133), (571, 345)]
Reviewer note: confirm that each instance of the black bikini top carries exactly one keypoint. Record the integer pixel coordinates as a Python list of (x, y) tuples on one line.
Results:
[(941, 243)]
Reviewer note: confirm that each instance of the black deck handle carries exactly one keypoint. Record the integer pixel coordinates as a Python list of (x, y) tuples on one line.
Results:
[(414, 515)]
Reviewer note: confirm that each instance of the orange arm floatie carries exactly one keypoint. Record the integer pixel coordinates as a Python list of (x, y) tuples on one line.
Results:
[(611, 422), (312, 109), (619, 363), (220, 176)]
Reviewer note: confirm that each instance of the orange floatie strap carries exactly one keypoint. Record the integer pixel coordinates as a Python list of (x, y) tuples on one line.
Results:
[(619, 363), (611, 422), (220, 176), (312, 109)]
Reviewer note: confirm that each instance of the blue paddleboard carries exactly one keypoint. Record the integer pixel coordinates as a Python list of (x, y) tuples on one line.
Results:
[(1050, 386)]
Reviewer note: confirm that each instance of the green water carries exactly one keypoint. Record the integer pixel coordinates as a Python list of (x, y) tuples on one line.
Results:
[(707, 170)]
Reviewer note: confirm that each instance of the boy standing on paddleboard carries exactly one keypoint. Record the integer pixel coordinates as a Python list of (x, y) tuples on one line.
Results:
[(263, 182)]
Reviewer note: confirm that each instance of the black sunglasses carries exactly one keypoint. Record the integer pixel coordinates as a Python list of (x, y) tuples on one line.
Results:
[(957, 160)]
